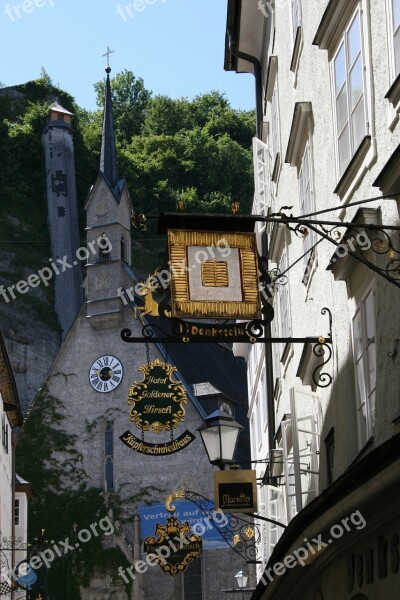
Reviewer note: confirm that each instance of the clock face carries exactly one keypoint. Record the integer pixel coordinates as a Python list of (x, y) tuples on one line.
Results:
[(105, 373)]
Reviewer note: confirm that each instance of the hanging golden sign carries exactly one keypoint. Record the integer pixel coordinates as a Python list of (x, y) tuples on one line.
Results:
[(157, 401), (214, 274), (175, 548)]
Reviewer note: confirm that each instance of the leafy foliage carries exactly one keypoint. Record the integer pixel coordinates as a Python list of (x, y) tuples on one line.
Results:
[(63, 504)]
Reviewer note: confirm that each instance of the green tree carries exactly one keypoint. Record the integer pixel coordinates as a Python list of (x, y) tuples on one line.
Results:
[(166, 116)]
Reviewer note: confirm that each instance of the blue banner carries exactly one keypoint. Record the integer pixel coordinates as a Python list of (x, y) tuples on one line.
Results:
[(184, 511)]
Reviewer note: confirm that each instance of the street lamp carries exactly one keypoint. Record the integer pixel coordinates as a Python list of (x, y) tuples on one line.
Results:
[(241, 579), (220, 434)]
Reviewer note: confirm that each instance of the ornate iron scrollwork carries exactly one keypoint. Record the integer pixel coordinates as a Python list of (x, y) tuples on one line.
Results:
[(242, 535), (9, 545), (323, 350), (138, 220)]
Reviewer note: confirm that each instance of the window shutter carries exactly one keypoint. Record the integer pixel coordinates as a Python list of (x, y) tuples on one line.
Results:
[(301, 444), (262, 177)]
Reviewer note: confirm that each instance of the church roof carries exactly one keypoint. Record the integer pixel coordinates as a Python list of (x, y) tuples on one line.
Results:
[(60, 109), (205, 389), (108, 156)]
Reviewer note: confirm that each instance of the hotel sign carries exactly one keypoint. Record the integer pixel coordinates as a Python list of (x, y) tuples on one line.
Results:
[(236, 491), (157, 404), (157, 401)]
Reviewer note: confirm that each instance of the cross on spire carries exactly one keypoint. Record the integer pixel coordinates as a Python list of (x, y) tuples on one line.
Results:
[(108, 55)]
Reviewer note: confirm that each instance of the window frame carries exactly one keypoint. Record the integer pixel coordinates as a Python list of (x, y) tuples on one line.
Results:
[(365, 425), (307, 207), (330, 455), (283, 301), (17, 511), (109, 458), (263, 194), (4, 433), (344, 43), (272, 97), (258, 413), (296, 18), (394, 71), (275, 132)]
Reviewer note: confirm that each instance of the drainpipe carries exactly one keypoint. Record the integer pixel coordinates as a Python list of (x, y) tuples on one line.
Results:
[(257, 74)]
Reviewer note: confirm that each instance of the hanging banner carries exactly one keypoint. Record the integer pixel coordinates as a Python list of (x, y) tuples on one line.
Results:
[(188, 511), (175, 548)]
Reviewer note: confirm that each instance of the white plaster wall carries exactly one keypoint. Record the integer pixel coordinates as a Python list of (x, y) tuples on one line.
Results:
[(312, 84)]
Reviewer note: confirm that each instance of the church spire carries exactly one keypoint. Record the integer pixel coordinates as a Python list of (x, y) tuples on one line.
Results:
[(108, 157)]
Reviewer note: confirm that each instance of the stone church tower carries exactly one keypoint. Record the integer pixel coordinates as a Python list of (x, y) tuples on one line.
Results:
[(108, 211), (63, 214), (90, 380)]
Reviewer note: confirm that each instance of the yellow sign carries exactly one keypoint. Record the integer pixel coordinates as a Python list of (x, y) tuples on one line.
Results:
[(236, 491), (214, 274)]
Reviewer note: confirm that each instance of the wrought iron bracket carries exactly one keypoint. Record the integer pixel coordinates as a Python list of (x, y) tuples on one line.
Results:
[(184, 332), (241, 535), (380, 243)]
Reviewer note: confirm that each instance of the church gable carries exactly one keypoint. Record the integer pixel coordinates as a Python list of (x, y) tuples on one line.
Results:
[(124, 209), (101, 206)]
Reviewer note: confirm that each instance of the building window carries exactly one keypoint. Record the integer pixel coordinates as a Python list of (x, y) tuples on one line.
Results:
[(105, 253), (307, 204), (349, 87), (122, 249), (284, 323), (364, 353), (4, 433), (17, 514), (264, 402), (275, 510), (301, 449), (253, 437), (296, 18), (259, 421), (330, 452), (109, 458), (395, 34), (263, 199), (275, 143), (271, 96)]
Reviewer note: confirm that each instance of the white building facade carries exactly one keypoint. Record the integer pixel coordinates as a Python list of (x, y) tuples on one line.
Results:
[(328, 133), (14, 491)]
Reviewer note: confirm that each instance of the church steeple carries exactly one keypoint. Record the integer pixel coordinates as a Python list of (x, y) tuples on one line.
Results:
[(108, 212), (108, 157)]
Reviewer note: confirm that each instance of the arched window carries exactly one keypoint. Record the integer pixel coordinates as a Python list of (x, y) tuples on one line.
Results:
[(104, 248), (109, 458), (122, 248)]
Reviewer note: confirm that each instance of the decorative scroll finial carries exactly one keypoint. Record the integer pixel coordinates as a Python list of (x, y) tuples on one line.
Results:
[(178, 495)]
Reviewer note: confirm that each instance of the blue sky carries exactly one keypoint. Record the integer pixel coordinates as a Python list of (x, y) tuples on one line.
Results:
[(176, 46)]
